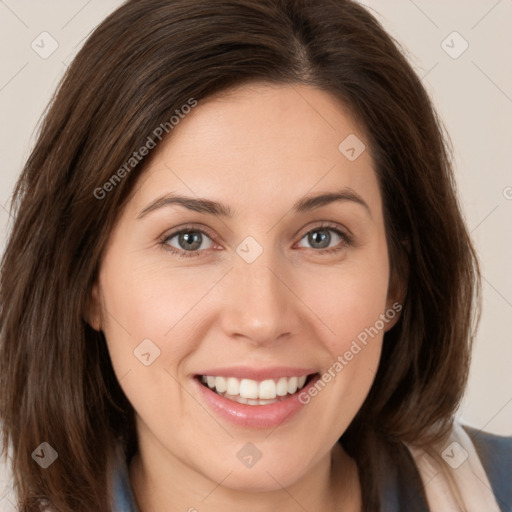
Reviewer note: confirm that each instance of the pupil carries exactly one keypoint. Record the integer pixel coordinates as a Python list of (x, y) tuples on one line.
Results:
[(313, 239), (187, 238)]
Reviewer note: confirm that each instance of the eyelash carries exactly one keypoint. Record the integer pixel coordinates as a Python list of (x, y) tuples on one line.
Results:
[(346, 240)]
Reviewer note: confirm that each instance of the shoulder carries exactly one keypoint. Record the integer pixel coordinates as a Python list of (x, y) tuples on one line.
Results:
[(495, 453)]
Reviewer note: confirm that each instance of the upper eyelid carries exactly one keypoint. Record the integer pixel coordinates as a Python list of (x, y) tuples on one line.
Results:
[(173, 233)]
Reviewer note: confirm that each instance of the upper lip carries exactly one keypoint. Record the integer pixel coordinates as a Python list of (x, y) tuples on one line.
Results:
[(246, 372)]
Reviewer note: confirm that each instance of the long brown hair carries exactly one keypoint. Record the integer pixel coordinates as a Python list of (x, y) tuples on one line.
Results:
[(139, 66)]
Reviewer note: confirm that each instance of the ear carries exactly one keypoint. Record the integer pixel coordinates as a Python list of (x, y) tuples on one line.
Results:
[(93, 313), (397, 291)]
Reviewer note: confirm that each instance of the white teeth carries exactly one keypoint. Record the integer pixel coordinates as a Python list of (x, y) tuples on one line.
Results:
[(292, 385), (233, 386), (248, 388), (282, 386), (267, 389), (252, 392), (220, 384)]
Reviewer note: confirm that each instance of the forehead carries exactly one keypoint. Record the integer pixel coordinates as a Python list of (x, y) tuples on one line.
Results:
[(262, 143)]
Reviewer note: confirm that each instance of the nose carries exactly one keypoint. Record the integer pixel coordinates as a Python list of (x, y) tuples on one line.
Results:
[(258, 304)]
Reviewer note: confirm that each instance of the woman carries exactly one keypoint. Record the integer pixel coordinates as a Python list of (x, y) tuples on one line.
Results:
[(239, 278)]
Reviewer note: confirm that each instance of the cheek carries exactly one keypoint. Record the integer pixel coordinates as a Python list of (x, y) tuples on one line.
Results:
[(349, 301), (143, 311), (353, 315), (154, 320), (354, 344), (146, 316), (149, 301)]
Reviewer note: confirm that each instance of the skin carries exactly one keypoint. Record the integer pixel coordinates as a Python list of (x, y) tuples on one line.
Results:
[(258, 149)]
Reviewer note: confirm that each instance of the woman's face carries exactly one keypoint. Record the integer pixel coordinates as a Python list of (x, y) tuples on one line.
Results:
[(264, 288)]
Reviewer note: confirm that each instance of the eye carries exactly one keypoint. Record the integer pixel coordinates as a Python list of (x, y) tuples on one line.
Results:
[(191, 242), (188, 242), (322, 236)]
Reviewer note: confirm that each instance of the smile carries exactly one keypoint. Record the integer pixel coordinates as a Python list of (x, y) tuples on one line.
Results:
[(251, 398)]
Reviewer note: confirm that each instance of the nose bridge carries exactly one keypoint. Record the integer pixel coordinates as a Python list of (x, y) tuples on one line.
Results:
[(258, 305)]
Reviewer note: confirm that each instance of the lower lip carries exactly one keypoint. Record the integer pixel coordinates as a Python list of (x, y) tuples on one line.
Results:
[(254, 416)]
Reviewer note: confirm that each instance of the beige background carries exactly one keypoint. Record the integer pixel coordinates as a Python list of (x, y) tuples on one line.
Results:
[(472, 92)]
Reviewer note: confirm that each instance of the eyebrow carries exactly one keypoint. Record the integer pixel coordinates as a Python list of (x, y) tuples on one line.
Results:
[(215, 208)]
